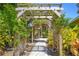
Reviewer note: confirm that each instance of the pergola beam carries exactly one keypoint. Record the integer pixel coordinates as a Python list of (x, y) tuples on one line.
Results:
[(39, 17), (57, 13), (39, 8), (20, 13), (23, 9)]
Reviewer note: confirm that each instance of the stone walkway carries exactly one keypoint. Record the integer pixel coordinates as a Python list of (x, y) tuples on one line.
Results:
[(40, 48)]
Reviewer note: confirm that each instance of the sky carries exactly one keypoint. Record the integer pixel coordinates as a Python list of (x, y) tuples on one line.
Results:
[(70, 9)]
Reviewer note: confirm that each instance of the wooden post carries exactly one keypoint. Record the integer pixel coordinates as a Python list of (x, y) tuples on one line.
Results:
[(32, 35), (49, 23), (60, 45), (41, 31)]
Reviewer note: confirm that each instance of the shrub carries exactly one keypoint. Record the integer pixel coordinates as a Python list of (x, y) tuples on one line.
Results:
[(68, 36)]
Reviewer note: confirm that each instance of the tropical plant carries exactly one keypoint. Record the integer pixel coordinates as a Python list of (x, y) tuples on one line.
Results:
[(8, 21), (50, 39)]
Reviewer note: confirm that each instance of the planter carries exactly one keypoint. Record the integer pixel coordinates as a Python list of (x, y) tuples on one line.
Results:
[(52, 52), (29, 48), (9, 49)]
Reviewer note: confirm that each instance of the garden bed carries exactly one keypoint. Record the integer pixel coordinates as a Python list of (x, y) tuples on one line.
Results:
[(17, 52), (1, 52)]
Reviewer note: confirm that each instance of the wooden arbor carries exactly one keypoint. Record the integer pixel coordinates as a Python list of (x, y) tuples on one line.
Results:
[(35, 11)]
